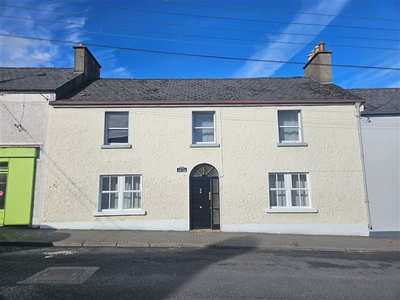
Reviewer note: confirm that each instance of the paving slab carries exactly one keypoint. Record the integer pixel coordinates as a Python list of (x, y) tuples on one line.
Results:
[(20, 236)]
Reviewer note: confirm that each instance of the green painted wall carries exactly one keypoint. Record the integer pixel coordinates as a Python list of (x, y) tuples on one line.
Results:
[(20, 181)]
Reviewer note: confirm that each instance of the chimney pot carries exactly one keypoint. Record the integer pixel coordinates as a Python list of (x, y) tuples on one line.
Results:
[(321, 46)]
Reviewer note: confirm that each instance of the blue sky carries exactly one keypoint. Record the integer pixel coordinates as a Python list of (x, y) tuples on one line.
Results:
[(360, 33)]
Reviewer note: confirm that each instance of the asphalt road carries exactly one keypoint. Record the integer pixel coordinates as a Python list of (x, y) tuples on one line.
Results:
[(190, 273)]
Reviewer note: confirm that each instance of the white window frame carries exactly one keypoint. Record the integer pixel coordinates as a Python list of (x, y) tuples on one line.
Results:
[(107, 144), (288, 188), (300, 141), (200, 143), (120, 211)]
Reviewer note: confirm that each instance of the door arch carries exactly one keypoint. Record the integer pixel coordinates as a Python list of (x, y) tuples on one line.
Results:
[(204, 197)]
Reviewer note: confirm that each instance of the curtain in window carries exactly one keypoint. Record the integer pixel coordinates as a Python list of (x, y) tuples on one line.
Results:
[(117, 127), (288, 126), (132, 195), (203, 128), (278, 192), (299, 192)]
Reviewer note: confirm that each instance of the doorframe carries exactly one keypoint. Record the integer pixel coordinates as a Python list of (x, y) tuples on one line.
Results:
[(208, 173)]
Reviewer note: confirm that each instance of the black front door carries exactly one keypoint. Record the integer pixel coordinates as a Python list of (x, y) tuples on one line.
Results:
[(200, 203)]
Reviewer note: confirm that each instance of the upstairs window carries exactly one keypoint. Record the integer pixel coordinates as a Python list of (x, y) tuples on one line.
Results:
[(116, 128), (203, 128), (289, 126)]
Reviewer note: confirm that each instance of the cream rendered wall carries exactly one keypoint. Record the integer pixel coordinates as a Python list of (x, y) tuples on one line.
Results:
[(29, 110), (248, 137)]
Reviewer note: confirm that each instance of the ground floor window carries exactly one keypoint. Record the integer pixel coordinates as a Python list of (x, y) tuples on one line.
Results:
[(289, 190), (120, 192)]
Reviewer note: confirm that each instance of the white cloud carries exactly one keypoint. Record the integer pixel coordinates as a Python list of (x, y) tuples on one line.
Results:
[(119, 72), (19, 52), (365, 78), (283, 51)]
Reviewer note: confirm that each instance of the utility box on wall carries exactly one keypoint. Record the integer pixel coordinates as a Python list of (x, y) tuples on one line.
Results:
[(17, 173)]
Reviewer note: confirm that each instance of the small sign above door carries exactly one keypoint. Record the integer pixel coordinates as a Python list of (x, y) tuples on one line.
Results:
[(181, 169)]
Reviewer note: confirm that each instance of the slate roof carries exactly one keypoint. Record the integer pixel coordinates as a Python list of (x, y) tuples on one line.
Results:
[(379, 100), (208, 89), (34, 79)]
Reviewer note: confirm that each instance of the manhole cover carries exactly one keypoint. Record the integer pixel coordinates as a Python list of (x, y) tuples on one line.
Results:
[(61, 275)]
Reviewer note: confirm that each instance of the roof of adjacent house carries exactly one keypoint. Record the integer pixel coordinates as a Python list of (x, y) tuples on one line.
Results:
[(209, 90), (34, 79), (379, 100)]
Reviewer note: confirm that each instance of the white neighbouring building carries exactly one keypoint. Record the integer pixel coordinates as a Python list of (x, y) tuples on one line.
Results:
[(277, 155), (380, 126)]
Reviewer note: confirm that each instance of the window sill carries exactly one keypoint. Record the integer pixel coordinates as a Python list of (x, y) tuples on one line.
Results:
[(117, 146), (295, 144), (205, 145), (119, 213), (291, 210)]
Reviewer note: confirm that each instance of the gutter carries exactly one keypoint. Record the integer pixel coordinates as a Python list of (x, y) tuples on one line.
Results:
[(358, 105), (199, 102)]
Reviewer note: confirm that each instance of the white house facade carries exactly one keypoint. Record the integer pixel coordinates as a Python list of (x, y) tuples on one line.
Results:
[(277, 155)]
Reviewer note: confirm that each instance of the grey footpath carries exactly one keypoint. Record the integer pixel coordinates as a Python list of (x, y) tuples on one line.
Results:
[(22, 236)]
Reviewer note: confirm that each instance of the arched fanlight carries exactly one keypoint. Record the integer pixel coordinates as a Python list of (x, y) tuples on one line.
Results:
[(204, 170)]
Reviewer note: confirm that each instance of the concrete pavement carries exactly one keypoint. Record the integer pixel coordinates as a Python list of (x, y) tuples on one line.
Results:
[(20, 236)]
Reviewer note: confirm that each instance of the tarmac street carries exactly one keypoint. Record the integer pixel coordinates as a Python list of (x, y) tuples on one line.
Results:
[(112, 264), (95, 273)]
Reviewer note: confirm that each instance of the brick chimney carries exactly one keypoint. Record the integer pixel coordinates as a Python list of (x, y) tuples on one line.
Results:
[(84, 62), (319, 64)]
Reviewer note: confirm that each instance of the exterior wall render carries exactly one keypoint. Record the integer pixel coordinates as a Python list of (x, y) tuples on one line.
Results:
[(31, 112), (248, 137)]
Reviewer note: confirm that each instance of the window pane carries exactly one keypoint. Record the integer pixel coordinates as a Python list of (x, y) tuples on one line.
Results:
[(105, 186), (273, 198), (117, 136), (278, 198), (296, 198), (113, 200), (137, 200), (288, 118), (215, 198), (136, 183), (288, 134), (299, 198), (303, 181), (203, 120), (281, 198), (128, 183), (272, 181), (216, 217), (215, 186), (105, 201), (281, 181), (114, 183), (128, 200), (299, 181), (117, 120), (204, 135)]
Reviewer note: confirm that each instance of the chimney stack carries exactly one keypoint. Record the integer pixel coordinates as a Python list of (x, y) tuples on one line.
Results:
[(84, 62), (318, 66)]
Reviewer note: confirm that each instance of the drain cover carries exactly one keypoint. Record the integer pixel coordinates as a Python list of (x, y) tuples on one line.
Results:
[(61, 275)]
